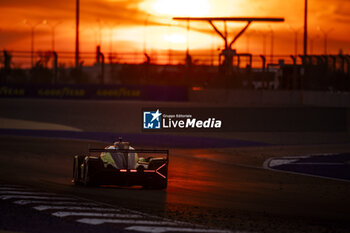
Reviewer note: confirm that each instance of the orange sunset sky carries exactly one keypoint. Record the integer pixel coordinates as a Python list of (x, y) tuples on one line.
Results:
[(119, 25)]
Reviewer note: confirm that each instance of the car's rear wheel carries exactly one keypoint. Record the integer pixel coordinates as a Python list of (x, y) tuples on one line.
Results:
[(78, 160), (89, 179)]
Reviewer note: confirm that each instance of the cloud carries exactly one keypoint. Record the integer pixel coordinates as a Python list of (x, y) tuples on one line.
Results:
[(124, 12), (11, 36)]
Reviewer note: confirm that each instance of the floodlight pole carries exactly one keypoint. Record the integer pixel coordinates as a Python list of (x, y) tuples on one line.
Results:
[(188, 38), (225, 28), (53, 38), (32, 46), (32, 27), (77, 36), (53, 28), (325, 38), (305, 29)]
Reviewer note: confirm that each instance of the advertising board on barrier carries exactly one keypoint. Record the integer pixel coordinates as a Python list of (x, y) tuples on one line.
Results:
[(107, 92), (184, 119)]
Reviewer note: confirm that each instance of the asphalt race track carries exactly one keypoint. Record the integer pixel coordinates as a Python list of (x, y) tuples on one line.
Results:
[(210, 190)]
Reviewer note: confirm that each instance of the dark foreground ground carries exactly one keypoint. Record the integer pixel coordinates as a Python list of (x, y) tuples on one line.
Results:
[(220, 188)]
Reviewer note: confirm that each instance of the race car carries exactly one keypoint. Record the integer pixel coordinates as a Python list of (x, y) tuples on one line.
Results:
[(122, 165)]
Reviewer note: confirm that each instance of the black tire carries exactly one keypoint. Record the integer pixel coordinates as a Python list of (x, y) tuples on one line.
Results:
[(77, 161), (88, 179)]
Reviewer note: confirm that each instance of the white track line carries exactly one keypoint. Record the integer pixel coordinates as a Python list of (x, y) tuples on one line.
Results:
[(51, 207), (26, 202), (279, 162), (97, 221), (6, 197), (267, 166), (174, 229), (327, 164), (93, 214), (51, 202)]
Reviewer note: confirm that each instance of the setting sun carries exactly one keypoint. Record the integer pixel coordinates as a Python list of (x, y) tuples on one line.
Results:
[(175, 38)]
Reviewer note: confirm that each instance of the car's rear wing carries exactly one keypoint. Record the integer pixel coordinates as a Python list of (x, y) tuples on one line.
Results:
[(149, 151)]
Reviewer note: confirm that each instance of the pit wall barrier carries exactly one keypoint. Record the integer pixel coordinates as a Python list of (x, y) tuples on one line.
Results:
[(104, 92), (178, 93)]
